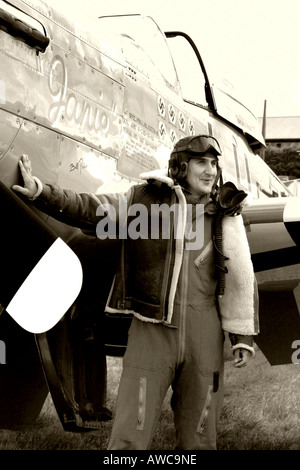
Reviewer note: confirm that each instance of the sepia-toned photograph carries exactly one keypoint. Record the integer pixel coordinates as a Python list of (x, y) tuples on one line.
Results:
[(150, 231)]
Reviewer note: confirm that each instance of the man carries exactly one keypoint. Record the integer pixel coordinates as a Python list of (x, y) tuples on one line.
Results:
[(173, 286)]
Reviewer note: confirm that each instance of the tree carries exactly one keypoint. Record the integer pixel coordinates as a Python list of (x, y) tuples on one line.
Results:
[(284, 159)]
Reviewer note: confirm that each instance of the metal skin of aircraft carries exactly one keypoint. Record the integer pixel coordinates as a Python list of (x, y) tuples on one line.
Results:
[(94, 105)]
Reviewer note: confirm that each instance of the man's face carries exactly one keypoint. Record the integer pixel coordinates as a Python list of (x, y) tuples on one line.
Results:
[(201, 174)]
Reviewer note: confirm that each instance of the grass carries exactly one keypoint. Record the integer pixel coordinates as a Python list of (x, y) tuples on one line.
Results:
[(260, 412), (261, 409)]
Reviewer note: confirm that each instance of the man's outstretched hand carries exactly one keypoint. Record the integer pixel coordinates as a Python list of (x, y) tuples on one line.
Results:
[(30, 186)]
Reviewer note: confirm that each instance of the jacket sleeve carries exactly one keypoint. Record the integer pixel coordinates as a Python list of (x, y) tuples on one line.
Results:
[(241, 341), (81, 210), (239, 304)]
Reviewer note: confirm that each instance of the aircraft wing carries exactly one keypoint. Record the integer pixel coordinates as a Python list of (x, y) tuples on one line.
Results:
[(33, 299), (273, 230)]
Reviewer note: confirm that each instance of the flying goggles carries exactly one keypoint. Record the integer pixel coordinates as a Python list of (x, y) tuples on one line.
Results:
[(198, 145)]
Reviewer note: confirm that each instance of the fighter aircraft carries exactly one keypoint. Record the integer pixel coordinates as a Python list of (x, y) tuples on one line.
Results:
[(95, 103)]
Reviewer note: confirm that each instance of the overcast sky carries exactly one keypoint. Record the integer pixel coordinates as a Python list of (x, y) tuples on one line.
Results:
[(254, 43)]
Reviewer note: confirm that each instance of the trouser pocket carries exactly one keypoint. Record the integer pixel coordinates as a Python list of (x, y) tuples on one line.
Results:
[(205, 338)]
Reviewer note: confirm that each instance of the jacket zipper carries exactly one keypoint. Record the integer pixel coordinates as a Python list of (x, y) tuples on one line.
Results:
[(182, 312), (167, 269), (129, 202)]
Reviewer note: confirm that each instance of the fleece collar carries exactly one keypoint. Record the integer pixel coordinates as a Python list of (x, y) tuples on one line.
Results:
[(160, 175)]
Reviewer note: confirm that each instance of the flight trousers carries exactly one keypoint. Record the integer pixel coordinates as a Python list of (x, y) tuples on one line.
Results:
[(187, 357)]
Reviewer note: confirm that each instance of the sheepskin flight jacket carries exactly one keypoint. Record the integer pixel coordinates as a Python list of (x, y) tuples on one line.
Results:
[(145, 282)]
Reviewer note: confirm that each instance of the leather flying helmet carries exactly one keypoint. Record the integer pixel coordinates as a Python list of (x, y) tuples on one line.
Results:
[(191, 147)]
